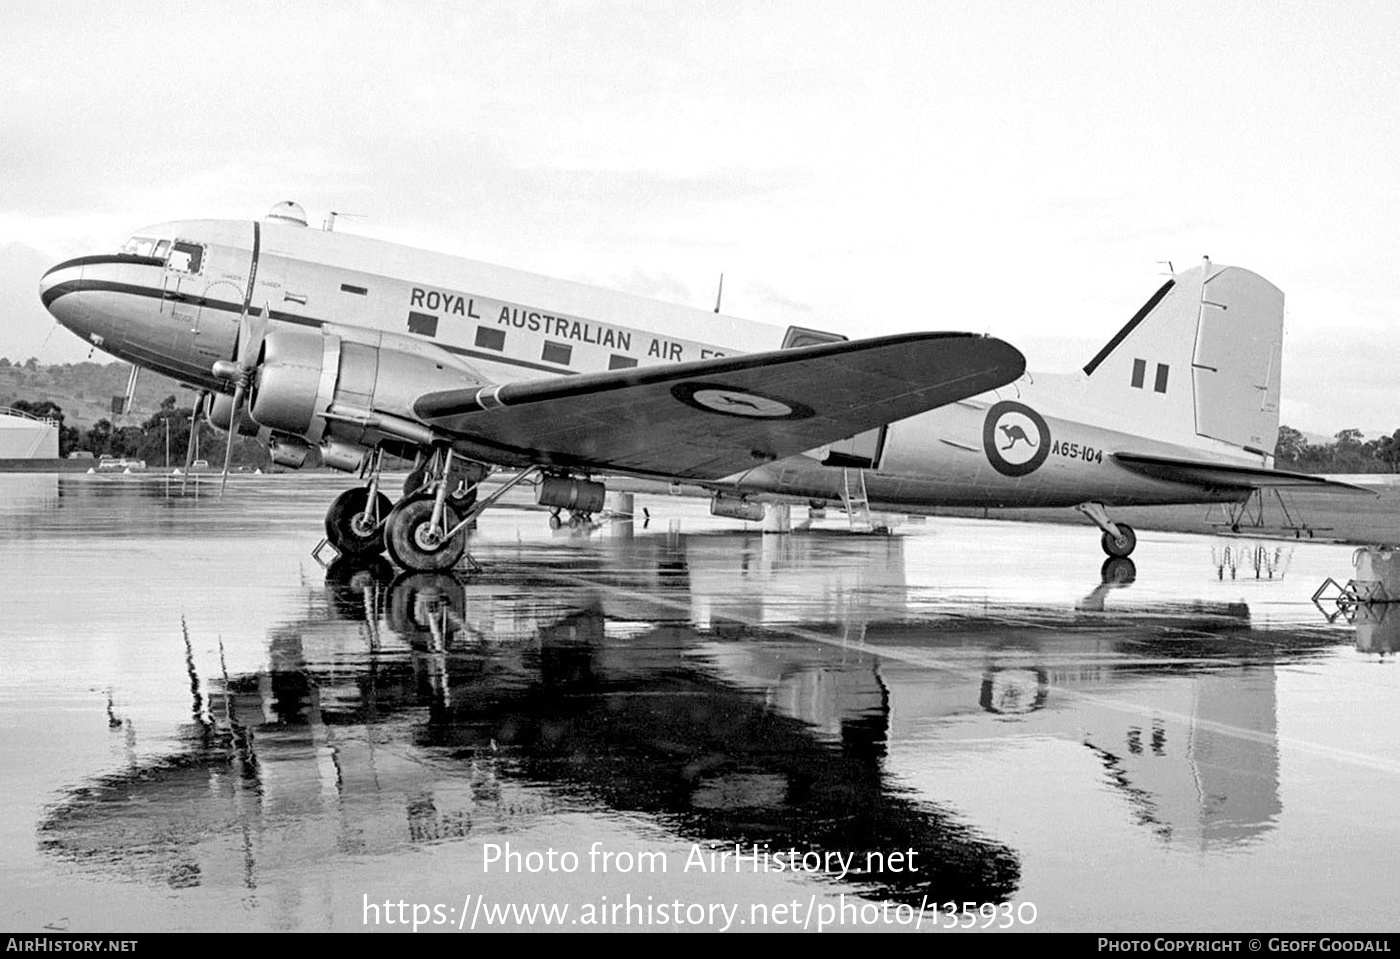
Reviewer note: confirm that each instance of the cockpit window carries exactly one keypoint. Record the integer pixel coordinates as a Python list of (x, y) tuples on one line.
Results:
[(185, 257), (162, 249), (140, 246)]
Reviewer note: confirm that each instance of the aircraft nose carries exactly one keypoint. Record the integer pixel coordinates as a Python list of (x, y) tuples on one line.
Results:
[(70, 294), (55, 283)]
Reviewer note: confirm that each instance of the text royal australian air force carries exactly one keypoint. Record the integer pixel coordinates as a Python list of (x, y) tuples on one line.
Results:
[(503, 315)]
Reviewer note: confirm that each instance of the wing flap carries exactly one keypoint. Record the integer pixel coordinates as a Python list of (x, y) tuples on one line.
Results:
[(1225, 475), (711, 418)]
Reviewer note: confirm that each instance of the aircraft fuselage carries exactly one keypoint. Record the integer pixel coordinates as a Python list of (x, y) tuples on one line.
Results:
[(174, 300)]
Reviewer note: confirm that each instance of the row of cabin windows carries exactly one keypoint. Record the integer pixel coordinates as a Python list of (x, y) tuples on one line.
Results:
[(185, 257), (489, 338)]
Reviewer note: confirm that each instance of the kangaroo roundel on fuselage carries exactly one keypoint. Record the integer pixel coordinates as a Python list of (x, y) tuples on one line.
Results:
[(1015, 438)]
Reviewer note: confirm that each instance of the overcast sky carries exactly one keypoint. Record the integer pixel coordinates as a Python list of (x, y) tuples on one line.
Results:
[(869, 167)]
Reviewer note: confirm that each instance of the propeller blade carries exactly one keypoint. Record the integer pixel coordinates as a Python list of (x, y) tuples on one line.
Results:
[(232, 431), (194, 436), (251, 332)]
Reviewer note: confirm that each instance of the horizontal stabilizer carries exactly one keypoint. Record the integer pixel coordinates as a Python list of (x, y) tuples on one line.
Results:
[(1225, 475), (711, 418)]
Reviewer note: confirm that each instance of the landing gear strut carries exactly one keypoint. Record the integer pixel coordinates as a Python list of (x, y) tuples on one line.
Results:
[(1118, 540), (427, 530), (354, 521)]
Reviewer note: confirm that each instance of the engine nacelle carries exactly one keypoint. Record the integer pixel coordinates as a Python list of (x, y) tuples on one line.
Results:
[(736, 507), (579, 496), (360, 386), (222, 408)]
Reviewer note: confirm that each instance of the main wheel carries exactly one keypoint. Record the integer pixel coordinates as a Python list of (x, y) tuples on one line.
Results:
[(1121, 545), (349, 526), (414, 544)]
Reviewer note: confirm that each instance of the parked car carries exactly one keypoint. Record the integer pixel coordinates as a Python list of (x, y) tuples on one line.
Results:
[(107, 463)]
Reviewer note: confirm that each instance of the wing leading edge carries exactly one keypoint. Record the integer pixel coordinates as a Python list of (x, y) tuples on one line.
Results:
[(1226, 476), (711, 418)]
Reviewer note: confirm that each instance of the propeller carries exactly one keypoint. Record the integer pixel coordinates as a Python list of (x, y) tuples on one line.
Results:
[(251, 332), (194, 437)]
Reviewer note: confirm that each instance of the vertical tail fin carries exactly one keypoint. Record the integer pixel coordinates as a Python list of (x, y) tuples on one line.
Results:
[(1200, 362)]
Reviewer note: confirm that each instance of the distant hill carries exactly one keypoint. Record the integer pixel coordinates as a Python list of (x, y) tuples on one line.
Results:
[(85, 390)]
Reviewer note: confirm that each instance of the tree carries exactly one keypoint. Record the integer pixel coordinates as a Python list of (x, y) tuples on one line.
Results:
[(99, 437), (1291, 444), (1388, 451), (31, 364), (1349, 454)]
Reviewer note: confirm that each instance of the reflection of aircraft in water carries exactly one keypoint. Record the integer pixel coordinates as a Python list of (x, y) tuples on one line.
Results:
[(460, 725), (726, 689), (1175, 699)]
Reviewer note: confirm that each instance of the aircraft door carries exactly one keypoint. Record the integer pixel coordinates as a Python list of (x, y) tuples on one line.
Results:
[(216, 321), (861, 451)]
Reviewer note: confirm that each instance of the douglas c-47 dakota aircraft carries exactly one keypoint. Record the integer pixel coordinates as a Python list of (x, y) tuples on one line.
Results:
[(337, 348)]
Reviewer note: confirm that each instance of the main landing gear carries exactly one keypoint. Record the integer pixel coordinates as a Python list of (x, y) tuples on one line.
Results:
[(1118, 540), (426, 530)]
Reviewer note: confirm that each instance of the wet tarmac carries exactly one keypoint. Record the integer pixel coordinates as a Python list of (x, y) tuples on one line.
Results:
[(676, 723)]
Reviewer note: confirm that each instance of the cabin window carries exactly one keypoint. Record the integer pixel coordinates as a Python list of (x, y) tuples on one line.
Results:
[(1139, 372), (489, 339), (351, 288), (1162, 370), (617, 362), (424, 324), (186, 257), (557, 353)]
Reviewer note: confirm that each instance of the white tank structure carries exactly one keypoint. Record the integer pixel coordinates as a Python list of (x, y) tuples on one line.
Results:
[(27, 437)]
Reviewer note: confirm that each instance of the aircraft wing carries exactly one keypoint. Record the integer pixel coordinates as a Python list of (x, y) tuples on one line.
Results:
[(1226, 476), (711, 418)]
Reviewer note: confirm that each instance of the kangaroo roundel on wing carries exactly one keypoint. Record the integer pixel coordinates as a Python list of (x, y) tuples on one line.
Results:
[(716, 398), (1015, 438)]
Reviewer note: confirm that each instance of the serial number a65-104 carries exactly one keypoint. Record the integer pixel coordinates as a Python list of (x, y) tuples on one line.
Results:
[(1076, 452)]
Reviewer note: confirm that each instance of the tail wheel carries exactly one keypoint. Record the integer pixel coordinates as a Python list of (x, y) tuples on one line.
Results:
[(1121, 545), (415, 544), (350, 527)]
